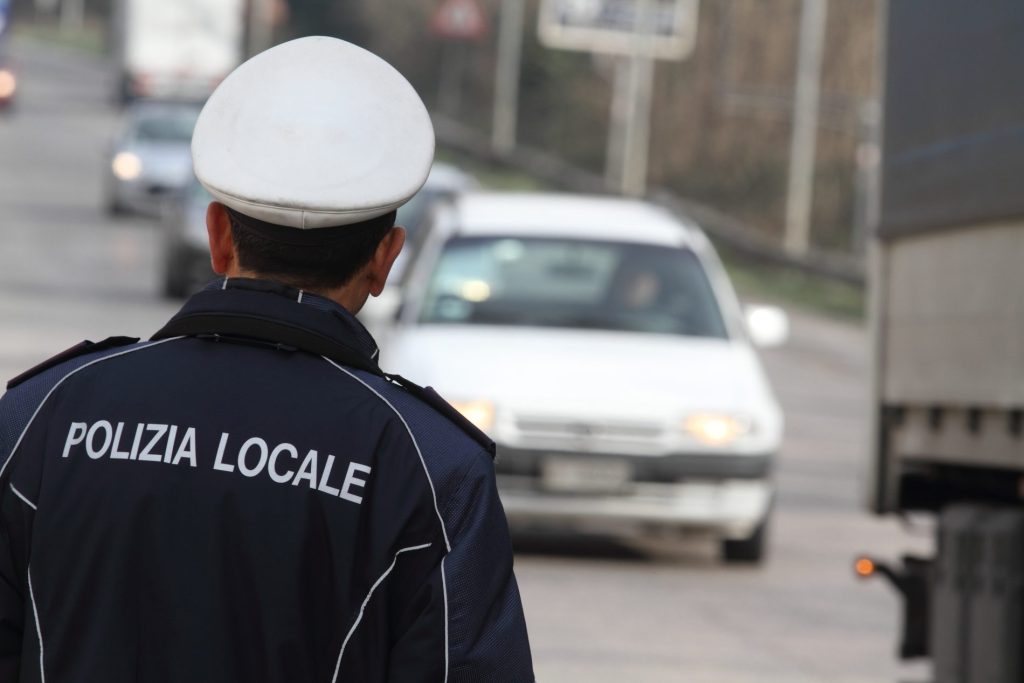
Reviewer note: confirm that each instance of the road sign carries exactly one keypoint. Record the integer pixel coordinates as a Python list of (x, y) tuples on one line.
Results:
[(460, 20), (660, 29)]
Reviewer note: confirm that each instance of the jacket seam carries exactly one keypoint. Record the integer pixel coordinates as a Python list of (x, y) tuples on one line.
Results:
[(366, 601), (415, 443), (433, 493), (39, 629), (59, 383), (21, 495), (456, 490)]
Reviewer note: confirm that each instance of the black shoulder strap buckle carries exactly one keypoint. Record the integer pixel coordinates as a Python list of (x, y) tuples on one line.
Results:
[(79, 349), (435, 401)]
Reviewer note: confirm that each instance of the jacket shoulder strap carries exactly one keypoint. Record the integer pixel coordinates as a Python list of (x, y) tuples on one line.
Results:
[(274, 332), (435, 401), (79, 349)]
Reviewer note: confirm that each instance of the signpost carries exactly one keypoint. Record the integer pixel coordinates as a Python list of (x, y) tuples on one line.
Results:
[(456, 21), (659, 29), (638, 32), (506, 76)]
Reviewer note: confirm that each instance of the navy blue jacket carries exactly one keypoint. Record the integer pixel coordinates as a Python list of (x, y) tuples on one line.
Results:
[(227, 507)]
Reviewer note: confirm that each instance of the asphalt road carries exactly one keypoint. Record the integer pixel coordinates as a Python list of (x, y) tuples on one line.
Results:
[(597, 611)]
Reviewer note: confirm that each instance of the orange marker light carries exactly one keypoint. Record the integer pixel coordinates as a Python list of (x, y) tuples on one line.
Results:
[(864, 567)]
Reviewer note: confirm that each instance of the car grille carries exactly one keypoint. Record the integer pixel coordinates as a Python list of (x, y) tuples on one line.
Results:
[(583, 435)]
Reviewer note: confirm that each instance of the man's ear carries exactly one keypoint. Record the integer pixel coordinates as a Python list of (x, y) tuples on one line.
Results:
[(384, 258), (222, 245)]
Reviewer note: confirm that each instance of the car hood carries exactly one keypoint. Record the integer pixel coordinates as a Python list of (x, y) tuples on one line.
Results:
[(556, 371)]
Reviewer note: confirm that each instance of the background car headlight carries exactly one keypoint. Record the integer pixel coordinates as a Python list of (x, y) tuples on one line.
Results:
[(480, 413), (8, 83), (126, 166), (716, 429)]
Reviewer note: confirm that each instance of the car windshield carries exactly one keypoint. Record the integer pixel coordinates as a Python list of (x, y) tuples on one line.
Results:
[(166, 127), (543, 282)]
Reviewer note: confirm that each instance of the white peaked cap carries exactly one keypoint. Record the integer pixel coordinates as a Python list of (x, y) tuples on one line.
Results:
[(313, 133)]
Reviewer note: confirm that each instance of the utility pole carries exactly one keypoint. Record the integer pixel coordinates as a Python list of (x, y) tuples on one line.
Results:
[(46, 6), (805, 127), (261, 32), (506, 78), (449, 87), (72, 15)]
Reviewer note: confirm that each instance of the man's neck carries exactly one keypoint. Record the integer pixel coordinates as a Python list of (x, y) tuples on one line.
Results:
[(350, 296)]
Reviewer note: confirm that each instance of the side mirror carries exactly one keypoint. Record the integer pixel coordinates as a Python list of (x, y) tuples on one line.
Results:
[(768, 326)]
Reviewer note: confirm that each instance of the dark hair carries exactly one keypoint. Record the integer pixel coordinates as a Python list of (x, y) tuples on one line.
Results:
[(320, 259)]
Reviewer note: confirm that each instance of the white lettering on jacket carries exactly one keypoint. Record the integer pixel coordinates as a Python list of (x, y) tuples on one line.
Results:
[(251, 458)]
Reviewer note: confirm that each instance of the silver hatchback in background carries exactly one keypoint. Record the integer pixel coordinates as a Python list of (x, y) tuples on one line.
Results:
[(150, 158), (185, 252)]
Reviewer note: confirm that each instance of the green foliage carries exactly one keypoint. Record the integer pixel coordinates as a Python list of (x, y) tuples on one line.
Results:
[(778, 284), (90, 40)]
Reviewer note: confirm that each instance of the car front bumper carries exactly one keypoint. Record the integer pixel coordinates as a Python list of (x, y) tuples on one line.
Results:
[(726, 495), (144, 196)]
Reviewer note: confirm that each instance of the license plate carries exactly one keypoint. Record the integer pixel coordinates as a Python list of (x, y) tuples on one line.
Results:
[(579, 475)]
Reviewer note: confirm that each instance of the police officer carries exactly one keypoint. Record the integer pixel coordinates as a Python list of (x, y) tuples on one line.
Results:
[(247, 496)]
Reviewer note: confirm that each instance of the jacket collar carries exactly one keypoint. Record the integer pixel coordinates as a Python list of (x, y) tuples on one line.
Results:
[(284, 304)]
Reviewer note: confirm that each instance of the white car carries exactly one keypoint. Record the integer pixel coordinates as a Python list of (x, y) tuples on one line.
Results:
[(600, 344)]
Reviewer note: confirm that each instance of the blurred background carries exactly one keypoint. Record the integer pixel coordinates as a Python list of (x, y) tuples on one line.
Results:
[(701, 524)]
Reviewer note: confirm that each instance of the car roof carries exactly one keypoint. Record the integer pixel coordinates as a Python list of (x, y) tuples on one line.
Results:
[(569, 216)]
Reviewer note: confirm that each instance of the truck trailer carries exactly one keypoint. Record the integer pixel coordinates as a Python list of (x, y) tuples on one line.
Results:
[(176, 50), (947, 324)]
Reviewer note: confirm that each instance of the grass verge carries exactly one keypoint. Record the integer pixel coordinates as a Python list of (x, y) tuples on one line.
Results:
[(771, 283), (89, 39)]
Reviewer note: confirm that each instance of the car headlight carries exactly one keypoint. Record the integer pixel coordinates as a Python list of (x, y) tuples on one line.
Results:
[(715, 429), (8, 83), (126, 166), (480, 413)]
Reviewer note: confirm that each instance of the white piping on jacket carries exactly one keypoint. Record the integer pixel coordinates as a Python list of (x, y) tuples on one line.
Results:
[(433, 493), (10, 456), (362, 608), (19, 494), (39, 630)]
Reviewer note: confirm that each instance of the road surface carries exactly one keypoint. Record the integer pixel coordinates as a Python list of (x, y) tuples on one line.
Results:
[(597, 612)]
